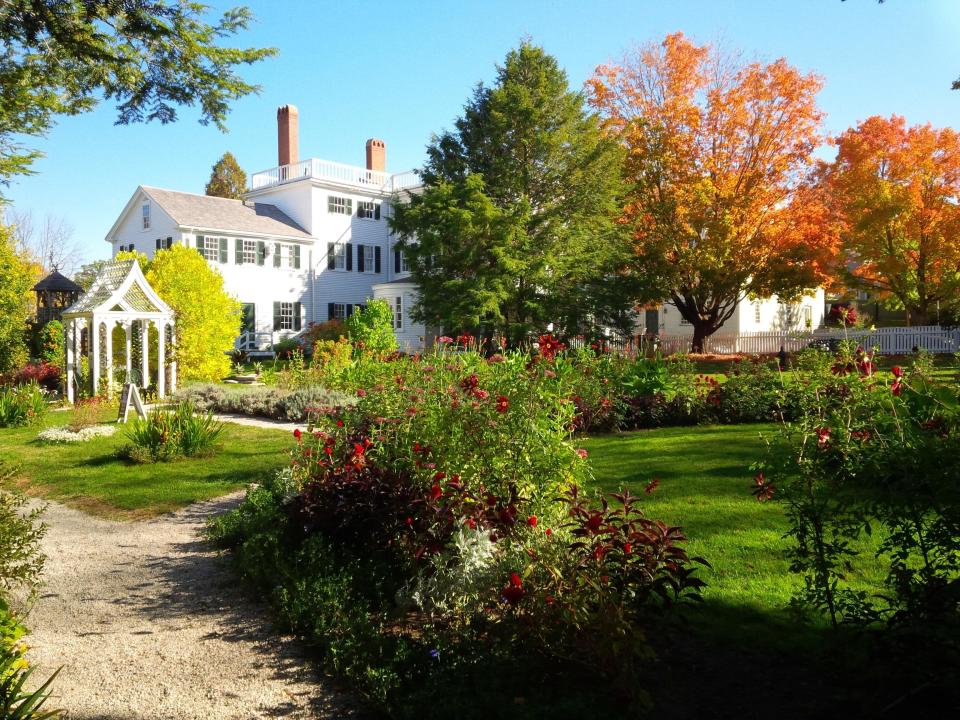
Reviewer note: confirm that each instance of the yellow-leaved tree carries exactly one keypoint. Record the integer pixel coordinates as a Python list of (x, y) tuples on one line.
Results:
[(207, 316)]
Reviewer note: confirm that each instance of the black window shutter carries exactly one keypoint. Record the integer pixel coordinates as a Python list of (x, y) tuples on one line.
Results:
[(349, 309), (376, 211), (276, 254), (376, 259), (296, 257), (396, 261), (238, 246), (223, 250), (331, 257), (276, 316), (261, 252), (331, 311), (158, 243), (360, 267), (349, 256), (169, 242), (296, 316)]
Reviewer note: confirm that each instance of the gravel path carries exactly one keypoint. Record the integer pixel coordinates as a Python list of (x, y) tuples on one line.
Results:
[(147, 622)]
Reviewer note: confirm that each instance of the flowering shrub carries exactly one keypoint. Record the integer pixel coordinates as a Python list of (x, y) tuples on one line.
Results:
[(436, 498), (44, 374), (22, 405), (873, 453)]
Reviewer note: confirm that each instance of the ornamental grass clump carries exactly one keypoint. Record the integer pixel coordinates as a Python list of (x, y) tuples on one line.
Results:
[(168, 434), (22, 405)]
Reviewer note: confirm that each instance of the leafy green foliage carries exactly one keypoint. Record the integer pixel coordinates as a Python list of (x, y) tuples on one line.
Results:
[(150, 58), (165, 435), (21, 559), (52, 344), (207, 317), (514, 227), (23, 405), (227, 178), (371, 329), (17, 703), (17, 276)]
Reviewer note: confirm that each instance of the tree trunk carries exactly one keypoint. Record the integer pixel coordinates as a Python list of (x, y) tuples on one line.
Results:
[(918, 316), (701, 331)]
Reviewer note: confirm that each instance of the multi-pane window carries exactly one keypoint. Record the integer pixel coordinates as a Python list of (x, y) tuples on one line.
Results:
[(369, 261), (756, 312), (403, 263), (146, 216), (339, 205), (368, 210), (286, 316), (340, 256), (209, 247), (339, 311), (398, 313), (249, 254)]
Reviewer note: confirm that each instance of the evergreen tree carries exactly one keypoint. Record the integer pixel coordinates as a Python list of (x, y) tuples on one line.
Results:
[(151, 58), (227, 179), (515, 221)]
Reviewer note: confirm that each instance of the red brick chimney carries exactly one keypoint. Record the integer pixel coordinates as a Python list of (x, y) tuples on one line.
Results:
[(288, 143), (376, 155)]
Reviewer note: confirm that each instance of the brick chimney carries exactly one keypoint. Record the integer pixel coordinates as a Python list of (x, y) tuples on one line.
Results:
[(376, 155), (288, 143)]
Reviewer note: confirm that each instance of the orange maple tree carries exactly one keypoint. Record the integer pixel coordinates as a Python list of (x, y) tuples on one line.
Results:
[(897, 190), (720, 204)]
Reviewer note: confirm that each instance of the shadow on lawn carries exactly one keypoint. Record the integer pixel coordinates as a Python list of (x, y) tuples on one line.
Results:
[(194, 581)]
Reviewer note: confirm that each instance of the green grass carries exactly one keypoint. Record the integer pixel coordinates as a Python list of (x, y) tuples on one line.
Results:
[(89, 475), (704, 487)]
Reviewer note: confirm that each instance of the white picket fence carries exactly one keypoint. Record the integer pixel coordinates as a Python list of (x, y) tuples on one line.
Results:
[(887, 341)]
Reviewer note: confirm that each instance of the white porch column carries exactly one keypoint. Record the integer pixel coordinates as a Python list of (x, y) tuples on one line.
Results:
[(161, 358), (108, 365), (94, 355), (173, 358), (144, 353), (128, 331), (70, 335)]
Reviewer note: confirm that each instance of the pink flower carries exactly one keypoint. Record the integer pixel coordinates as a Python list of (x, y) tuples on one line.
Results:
[(582, 453), (444, 340), (361, 393), (823, 437), (502, 403)]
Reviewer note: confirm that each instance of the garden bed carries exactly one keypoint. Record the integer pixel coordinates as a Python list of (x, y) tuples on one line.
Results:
[(272, 403)]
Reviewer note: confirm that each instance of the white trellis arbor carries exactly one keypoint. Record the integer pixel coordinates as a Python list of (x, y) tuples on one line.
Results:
[(120, 296)]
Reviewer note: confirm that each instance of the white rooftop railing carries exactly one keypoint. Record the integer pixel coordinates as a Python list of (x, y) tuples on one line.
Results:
[(336, 172)]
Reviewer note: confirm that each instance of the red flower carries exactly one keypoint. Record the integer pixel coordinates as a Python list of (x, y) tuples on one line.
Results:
[(532, 521), (549, 346), (409, 521), (513, 592), (594, 522), (361, 393), (548, 532), (762, 488), (439, 475), (897, 371), (297, 434), (823, 437), (627, 547), (471, 523), (482, 394), (435, 492), (502, 403), (469, 382)]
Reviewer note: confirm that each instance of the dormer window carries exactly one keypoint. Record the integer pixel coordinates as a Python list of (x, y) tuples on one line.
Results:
[(146, 216)]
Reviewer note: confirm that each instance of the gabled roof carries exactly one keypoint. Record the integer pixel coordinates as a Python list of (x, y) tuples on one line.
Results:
[(120, 287), (56, 282), (216, 213)]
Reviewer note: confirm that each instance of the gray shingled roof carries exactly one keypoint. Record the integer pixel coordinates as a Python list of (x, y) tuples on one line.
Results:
[(215, 213)]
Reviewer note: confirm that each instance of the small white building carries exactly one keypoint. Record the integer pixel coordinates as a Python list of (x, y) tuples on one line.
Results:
[(309, 243), (753, 316)]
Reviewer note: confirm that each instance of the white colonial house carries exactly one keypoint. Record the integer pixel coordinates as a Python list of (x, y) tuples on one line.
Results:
[(309, 242)]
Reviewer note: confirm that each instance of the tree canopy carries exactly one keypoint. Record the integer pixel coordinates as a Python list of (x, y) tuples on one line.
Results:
[(17, 275), (718, 152), (515, 220), (149, 56), (207, 317), (371, 328), (896, 191), (227, 178)]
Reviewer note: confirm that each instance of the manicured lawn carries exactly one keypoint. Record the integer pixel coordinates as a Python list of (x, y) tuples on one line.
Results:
[(89, 476), (705, 487)]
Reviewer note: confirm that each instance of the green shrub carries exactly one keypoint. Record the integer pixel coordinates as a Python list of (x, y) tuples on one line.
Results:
[(17, 703), (52, 344), (23, 405), (371, 328), (21, 559), (165, 434)]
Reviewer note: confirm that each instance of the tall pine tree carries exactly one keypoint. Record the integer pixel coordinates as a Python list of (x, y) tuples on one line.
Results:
[(514, 228), (227, 178)]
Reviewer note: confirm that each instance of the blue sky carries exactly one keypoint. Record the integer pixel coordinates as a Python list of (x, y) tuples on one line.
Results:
[(402, 71)]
